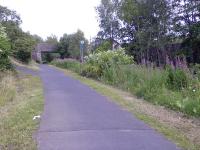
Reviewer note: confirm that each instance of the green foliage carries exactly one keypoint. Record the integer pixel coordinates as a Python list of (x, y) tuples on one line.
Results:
[(63, 46), (47, 58), (105, 46), (4, 50), (151, 29), (68, 64), (152, 85), (102, 60), (69, 45), (109, 20), (91, 71), (21, 43), (52, 40), (177, 79), (22, 48)]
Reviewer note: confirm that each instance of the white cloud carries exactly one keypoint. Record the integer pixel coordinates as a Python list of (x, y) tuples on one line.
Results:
[(46, 17)]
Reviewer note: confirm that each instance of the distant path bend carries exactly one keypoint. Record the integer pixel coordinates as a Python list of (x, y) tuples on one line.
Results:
[(76, 117)]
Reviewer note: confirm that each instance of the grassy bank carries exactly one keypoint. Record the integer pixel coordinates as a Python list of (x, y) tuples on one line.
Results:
[(21, 98), (173, 125), (174, 89)]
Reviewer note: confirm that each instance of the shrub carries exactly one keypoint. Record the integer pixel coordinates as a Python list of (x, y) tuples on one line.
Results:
[(105, 46), (47, 58), (177, 79), (105, 59)]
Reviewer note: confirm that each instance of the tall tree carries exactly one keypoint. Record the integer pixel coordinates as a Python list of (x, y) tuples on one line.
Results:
[(146, 26), (69, 45), (63, 46), (37, 38), (23, 47), (21, 43), (7, 15), (108, 20), (52, 39), (187, 27)]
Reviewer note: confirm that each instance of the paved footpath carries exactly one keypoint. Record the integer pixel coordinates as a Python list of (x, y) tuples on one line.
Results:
[(76, 117)]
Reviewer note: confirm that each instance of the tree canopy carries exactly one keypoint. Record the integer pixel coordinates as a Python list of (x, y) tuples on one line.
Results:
[(69, 44), (21, 43), (149, 29)]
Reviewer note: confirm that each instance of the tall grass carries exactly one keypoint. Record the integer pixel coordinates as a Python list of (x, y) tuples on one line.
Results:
[(153, 86), (7, 88), (174, 89), (21, 98)]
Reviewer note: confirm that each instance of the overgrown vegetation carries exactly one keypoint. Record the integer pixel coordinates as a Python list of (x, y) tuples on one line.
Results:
[(7, 88), (21, 98), (69, 45), (172, 88), (152, 30)]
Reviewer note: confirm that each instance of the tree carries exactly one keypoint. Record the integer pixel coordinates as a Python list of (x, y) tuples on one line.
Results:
[(37, 38), (21, 43), (74, 43), (104, 46), (69, 45), (23, 47), (7, 15), (108, 20), (146, 26), (63, 46), (52, 39), (187, 27)]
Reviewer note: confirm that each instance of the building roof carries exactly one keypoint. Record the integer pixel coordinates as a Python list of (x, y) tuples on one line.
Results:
[(45, 47)]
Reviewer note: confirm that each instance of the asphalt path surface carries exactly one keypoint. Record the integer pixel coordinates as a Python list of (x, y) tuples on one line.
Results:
[(76, 117)]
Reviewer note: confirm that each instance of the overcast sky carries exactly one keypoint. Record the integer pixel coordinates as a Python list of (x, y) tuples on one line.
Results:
[(46, 17)]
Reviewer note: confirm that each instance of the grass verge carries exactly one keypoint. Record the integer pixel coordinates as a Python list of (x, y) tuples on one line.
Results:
[(141, 110), (17, 126)]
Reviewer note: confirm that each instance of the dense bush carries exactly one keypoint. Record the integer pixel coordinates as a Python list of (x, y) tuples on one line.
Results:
[(96, 63), (177, 79), (22, 48), (91, 71), (105, 46)]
